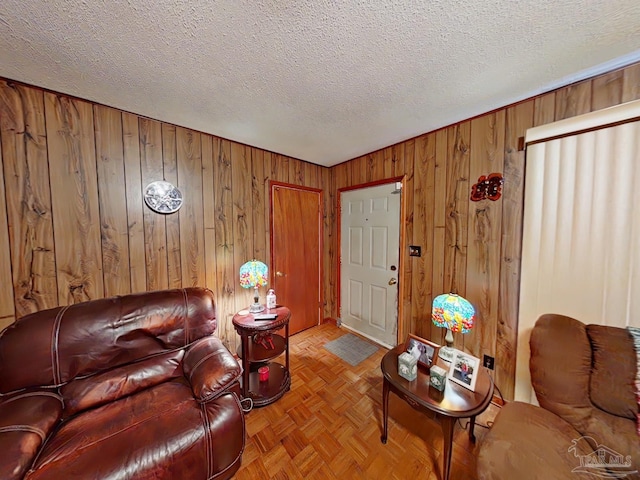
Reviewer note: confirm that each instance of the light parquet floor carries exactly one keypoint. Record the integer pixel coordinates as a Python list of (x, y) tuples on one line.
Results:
[(328, 425)]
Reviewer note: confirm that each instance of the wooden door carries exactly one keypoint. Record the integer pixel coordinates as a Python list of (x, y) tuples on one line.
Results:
[(369, 259), (296, 248)]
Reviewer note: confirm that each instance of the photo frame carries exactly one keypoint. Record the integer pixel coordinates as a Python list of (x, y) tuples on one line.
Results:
[(424, 351), (464, 370)]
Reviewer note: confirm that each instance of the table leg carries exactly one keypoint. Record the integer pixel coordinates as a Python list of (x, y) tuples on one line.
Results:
[(447, 429), (472, 424), (385, 410), (286, 334), (246, 365)]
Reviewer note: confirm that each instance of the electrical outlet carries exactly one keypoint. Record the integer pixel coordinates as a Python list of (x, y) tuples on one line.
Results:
[(487, 361)]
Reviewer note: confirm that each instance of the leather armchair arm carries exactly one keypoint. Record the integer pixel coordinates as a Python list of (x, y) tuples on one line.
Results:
[(26, 420), (210, 369)]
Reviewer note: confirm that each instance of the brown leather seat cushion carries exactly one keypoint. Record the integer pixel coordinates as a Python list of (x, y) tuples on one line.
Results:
[(125, 438)]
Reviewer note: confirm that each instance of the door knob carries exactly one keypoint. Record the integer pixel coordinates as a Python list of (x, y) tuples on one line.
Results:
[(393, 281), (279, 274)]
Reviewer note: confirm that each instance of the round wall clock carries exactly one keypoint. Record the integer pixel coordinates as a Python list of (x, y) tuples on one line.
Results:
[(162, 197)]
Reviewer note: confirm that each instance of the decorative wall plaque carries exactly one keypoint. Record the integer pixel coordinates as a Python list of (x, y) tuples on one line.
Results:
[(162, 197), (488, 187)]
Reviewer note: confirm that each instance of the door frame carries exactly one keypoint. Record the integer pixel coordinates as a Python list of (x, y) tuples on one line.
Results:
[(321, 214), (401, 327)]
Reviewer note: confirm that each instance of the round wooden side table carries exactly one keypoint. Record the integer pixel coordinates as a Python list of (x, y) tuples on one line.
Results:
[(259, 346)]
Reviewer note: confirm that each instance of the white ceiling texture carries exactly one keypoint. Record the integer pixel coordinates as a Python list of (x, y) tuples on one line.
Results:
[(318, 80)]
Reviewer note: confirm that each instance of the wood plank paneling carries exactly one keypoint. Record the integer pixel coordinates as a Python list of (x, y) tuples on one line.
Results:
[(357, 168), (191, 246), (359, 171), (260, 204), (29, 224), (485, 226), (74, 193), (172, 221), (226, 278), (209, 213), (113, 200), (424, 161), (155, 237), (544, 110), (296, 173), (135, 202), (518, 119), (406, 266), (606, 90), (456, 209), (242, 218), (330, 272), (438, 230), (281, 169), (631, 83), (573, 100), (7, 307)]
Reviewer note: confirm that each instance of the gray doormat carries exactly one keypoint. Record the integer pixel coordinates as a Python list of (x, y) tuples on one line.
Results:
[(351, 349)]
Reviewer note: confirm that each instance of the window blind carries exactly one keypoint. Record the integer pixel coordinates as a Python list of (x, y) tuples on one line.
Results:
[(581, 226)]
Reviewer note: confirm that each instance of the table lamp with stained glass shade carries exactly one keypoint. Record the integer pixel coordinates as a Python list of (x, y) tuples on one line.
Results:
[(254, 274), (454, 313)]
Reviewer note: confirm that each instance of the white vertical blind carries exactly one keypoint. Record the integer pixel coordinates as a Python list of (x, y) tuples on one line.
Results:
[(581, 231)]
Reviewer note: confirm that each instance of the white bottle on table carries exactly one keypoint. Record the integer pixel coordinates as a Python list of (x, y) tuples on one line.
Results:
[(271, 299)]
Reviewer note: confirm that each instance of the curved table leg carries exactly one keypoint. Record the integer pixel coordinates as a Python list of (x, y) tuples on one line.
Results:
[(472, 424), (245, 365), (447, 429), (385, 410)]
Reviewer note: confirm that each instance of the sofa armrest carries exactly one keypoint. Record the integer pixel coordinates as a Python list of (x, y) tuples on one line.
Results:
[(210, 369), (26, 420)]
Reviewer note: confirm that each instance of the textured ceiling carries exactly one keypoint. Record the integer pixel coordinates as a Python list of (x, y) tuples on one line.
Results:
[(319, 80)]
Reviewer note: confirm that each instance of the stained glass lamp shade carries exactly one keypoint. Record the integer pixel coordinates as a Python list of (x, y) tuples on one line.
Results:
[(254, 274), (454, 313)]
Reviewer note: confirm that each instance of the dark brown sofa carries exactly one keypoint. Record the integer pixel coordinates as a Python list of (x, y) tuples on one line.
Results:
[(583, 376), (128, 387)]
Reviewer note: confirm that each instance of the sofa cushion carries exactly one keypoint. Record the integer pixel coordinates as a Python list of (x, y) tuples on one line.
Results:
[(530, 442), (560, 366), (613, 371), (158, 433), (101, 388)]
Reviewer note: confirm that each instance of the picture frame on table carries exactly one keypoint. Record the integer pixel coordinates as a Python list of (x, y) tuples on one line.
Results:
[(464, 370), (424, 351)]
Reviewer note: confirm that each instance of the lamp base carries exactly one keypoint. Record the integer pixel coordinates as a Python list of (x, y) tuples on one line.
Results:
[(446, 353), (256, 308)]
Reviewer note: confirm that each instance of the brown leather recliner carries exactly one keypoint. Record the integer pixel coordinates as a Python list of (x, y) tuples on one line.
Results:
[(131, 387)]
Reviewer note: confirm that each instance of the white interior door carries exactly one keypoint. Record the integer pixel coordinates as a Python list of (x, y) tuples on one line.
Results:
[(369, 252)]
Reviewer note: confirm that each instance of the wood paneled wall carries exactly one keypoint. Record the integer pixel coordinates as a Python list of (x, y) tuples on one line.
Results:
[(472, 248), (73, 223)]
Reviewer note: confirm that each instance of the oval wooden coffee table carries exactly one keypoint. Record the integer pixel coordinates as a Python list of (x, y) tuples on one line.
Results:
[(455, 402)]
